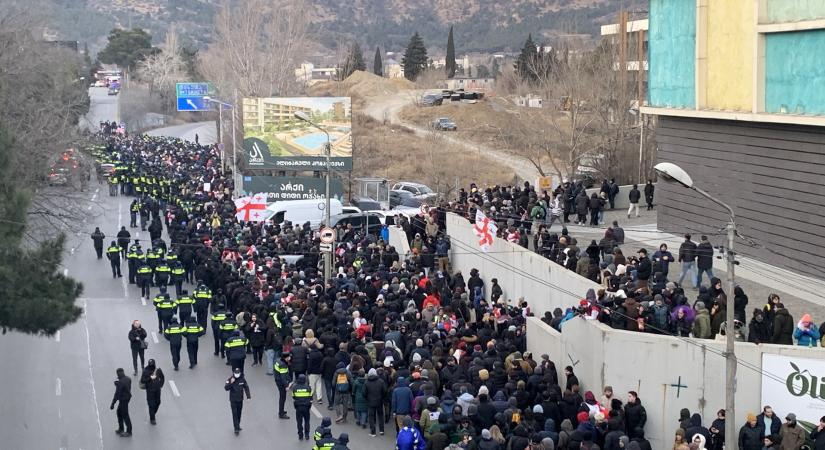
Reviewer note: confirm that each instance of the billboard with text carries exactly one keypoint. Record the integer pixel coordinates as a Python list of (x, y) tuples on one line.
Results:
[(275, 138), (292, 188)]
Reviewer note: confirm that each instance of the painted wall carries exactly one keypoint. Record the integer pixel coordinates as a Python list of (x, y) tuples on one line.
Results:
[(794, 10), (730, 41), (672, 46), (653, 365), (794, 72)]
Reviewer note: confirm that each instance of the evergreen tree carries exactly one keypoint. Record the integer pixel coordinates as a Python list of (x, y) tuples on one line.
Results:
[(525, 63), (450, 64), (127, 48), (482, 71), (496, 69), (415, 58), (34, 296), (377, 63), (353, 62)]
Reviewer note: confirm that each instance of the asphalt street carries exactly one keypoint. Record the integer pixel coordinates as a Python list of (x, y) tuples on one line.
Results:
[(58, 389)]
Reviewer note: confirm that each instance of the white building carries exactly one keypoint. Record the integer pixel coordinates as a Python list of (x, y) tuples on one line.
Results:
[(308, 74), (635, 28)]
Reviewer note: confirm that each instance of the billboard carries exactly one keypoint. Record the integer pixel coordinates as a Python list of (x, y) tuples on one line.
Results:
[(292, 188), (794, 384), (274, 138)]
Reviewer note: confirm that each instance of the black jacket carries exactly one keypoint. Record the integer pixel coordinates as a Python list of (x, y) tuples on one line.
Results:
[(136, 336), (750, 438), (819, 439), (299, 358), (783, 328), (758, 332), (237, 389), (634, 195), (314, 361), (687, 251), (376, 391), (123, 390), (645, 268), (704, 256), (635, 416)]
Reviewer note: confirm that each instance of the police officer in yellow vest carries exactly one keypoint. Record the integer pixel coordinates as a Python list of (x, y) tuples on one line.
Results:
[(134, 210), (185, 304), (282, 381), (302, 400), (193, 332), (174, 334), (113, 180), (144, 276), (218, 316), (203, 297), (165, 308), (113, 253), (132, 260), (162, 271), (235, 349)]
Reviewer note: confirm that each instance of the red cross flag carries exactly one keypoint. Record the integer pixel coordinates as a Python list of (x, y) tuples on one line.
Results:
[(251, 209), (485, 229)]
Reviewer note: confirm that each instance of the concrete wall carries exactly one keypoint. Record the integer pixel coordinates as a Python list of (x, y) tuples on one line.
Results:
[(672, 44), (653, 365), (398, 239), (794, 73), (793, 11), (622, 201), (520, 272), (729, 55), (772, 175)]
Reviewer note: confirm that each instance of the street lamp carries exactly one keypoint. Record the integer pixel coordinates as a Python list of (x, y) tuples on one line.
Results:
[(300, 115), (220, 134), (672, 173)]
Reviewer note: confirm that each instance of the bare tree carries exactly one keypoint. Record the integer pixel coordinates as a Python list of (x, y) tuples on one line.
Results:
[(256, 47), (161, 71)]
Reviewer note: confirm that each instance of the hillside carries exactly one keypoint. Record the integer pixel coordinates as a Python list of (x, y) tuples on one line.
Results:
[(491, 25)]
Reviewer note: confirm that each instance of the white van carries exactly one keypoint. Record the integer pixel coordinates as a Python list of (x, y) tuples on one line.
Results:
[(301, 211)]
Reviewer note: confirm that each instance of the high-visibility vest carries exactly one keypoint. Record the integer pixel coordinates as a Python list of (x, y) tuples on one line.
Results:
[(186, 300), (167, 304), (113, 249), (228, 326), (235, 342), (279, 368), (275, 319), (144, 270), (194, 329), (207, 294), (301, 392), (175, 329), (163, 268), (178, 271), (218, 316), (171, 257)]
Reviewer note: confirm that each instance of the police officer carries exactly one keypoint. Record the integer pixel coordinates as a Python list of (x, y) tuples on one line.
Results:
[(153, 255), (193, 332), (113, 253), (113, 184), (185, 303), (282, 380), (165, 308), (227, 327), (162, 272), (218, 316), (174, 334), (302, 400), (237, 386), (134, 209), (343, 440), (131, 261), (144, 276), (178, 272), (203, 297), (322, 430), (326, 442), (123, 238), (236, 349)]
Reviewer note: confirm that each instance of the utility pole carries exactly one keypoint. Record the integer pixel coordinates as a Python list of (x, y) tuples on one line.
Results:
[(220, 136), (730, 355), (328, 255)]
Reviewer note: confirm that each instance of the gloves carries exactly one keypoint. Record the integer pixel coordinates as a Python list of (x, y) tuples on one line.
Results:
[(112, 406)]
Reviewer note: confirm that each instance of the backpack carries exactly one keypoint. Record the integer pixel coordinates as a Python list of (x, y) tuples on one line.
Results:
[(341, 382)]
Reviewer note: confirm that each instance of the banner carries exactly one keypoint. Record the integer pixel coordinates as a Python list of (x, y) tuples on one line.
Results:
[(794, 385), (275, 137), (291, 188)]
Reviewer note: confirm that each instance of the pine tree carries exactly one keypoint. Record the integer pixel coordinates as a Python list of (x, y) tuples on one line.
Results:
[(377, 64), (34, 296), (450, 64), (496, 69), (354, 61), (415, 58), (526, 60)]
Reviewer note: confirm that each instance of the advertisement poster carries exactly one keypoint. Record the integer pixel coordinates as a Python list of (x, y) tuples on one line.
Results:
[(292, 188), (794, 384), (275, 137)]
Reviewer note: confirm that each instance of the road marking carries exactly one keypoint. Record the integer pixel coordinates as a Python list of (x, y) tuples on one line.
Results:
[(316, 413), (72, 250), (66, 271), (143, 301), (89, 208), (57, 336), (91, 371), (155, 337), (58, 387), (119, 222), (174, 388)]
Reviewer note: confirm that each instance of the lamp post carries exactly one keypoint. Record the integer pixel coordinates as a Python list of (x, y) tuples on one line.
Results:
[(674, 174), (327, 150), (234, 148)]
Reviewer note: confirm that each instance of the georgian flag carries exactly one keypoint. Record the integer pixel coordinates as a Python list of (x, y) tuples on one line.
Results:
[(251, 209), (485, 229)]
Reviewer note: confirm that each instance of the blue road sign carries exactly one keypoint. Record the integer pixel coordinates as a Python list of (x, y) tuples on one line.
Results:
[(190, 96), (192, 104)]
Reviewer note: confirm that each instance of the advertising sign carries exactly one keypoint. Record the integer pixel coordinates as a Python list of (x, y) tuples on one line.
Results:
[(291, 188), (794, 384), (275, 138)]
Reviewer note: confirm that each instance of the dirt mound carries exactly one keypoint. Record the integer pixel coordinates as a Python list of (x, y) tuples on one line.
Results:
[(362, 84)]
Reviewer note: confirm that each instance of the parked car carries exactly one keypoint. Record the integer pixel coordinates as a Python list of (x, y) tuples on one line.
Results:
[(365, 204), (113, 90), (301, 211), (416, 189), (364, 220), (444, 124), (58, 176), (431, 100), (398, 196)]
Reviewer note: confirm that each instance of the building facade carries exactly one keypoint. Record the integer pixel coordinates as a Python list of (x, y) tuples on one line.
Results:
[(739, 89), (258, 113)]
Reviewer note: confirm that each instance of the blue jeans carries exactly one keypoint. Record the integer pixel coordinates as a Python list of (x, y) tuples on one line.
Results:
[(699, 276), (361, 417), (329, 391), (688, 268), (269, 354)]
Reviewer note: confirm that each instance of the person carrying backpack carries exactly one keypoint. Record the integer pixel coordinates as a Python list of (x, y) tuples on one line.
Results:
[(342, 384)]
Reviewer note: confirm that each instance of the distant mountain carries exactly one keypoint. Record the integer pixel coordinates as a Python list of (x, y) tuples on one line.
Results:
[(480, 25)]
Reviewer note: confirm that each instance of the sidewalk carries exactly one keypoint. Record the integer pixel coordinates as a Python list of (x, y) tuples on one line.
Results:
[(799, 293)]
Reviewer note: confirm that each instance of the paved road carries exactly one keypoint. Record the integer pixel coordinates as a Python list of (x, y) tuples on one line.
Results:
[(207, 132), (58, 389), (102, 107)]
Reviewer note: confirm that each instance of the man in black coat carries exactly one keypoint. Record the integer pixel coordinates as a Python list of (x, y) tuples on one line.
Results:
[(97, 240), (633, 197), (687, 256), (300, 359), (376, 393), (704, 260), (634, 413), (123, 394), (237, 386), (644, 269)]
